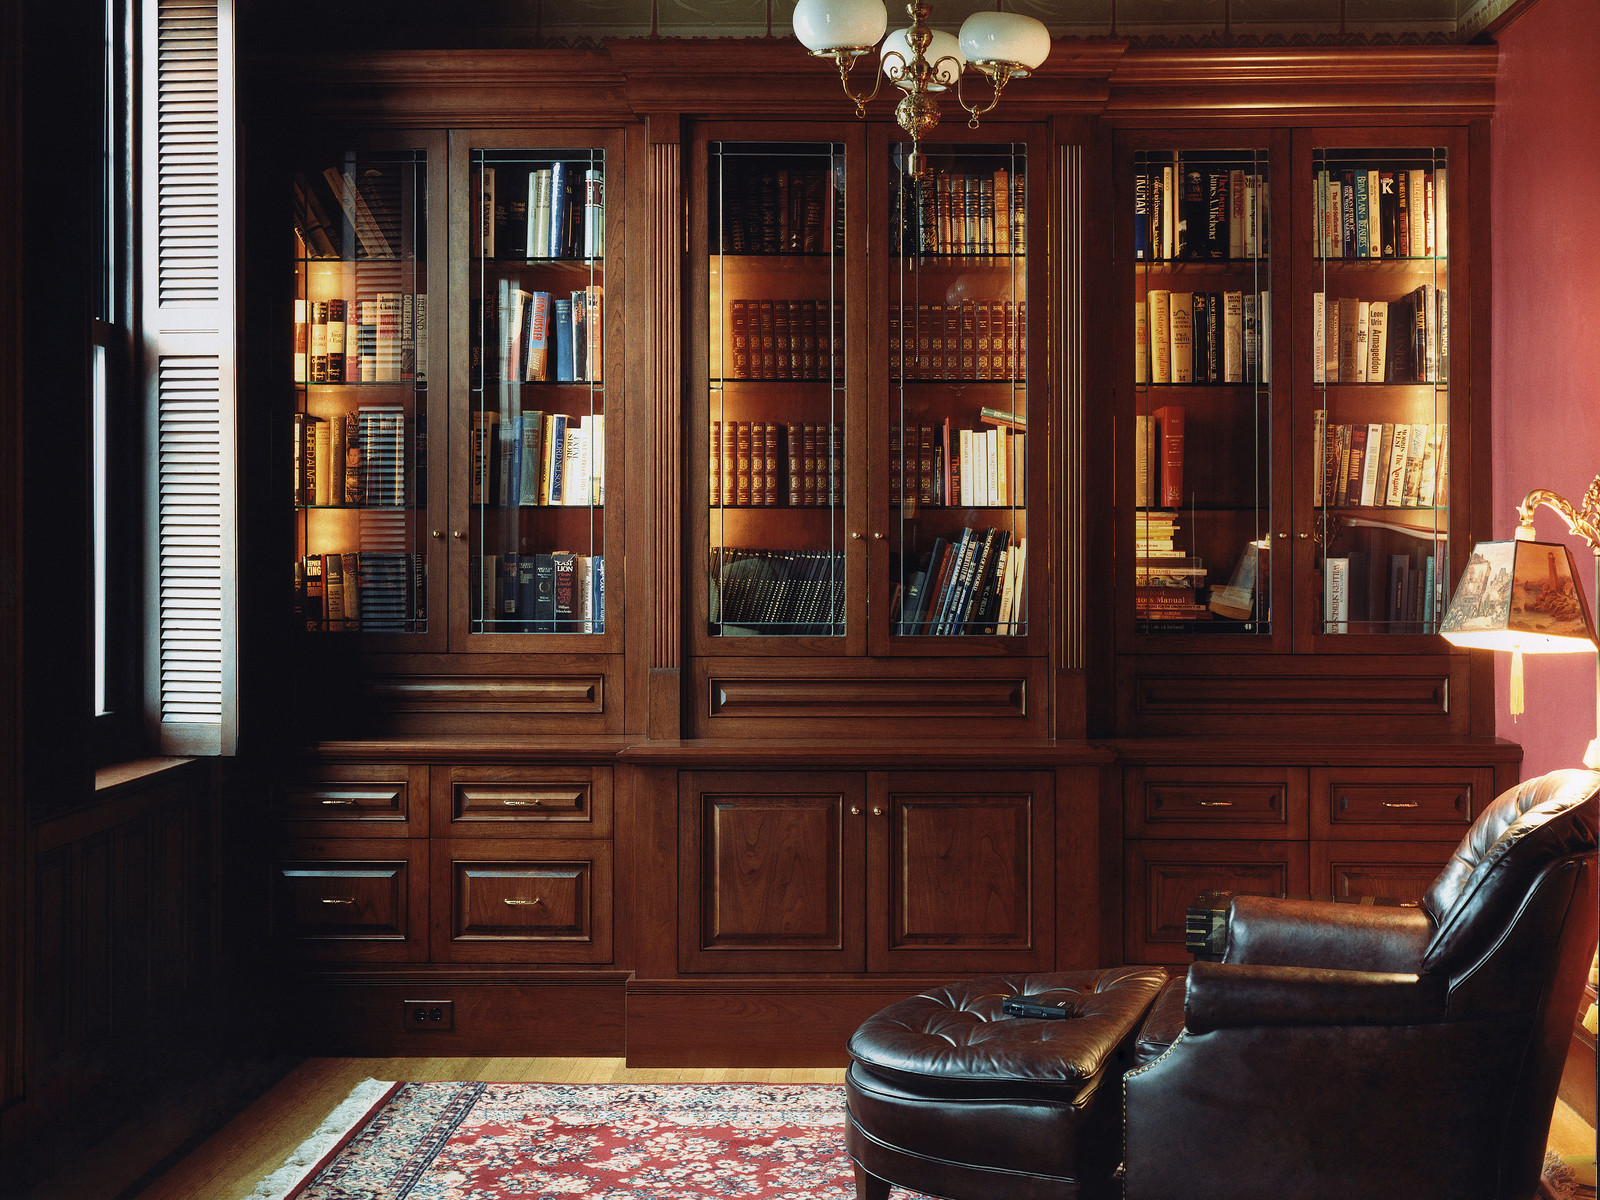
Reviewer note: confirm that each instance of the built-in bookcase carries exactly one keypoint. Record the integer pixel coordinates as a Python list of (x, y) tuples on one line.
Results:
[(536, 288), (361, 371), (1198, 517), (958, 392), (1380, 369)]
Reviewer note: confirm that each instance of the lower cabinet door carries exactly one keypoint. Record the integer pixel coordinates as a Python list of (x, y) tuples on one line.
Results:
[(545, 900), (352, 899), (960, 871), (771, 871), (1162, 878), (1384, 870)]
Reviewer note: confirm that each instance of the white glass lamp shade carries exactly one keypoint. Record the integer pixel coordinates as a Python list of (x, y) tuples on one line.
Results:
[(943, 45), (825, 25), (1004, 39)]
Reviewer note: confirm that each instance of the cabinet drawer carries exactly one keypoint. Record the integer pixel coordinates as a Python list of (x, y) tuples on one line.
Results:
[(1198, 802), (1382, 803), (356, 901), (531, 801), (1163, 878), (355, 798), (544, 901), (1392, 871)]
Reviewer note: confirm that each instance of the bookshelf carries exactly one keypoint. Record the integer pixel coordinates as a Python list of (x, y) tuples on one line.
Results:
[(361, 374)]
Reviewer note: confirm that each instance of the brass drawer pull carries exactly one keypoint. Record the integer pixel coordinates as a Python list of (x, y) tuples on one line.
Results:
[(522, 803), (523, 903), (1402, 804), (345, 802), (338, 900), (1216, 804)]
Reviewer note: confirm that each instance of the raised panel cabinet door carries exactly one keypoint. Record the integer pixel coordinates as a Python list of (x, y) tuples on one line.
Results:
[(772, 871), (353, 900), (1163, 878), (960, 874), (533, 901), (1386, 871)]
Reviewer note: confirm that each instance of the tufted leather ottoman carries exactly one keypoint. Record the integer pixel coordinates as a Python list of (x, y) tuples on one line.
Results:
[(948, 1095)]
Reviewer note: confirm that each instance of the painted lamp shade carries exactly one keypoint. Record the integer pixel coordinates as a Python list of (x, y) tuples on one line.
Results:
[(1520, 595)]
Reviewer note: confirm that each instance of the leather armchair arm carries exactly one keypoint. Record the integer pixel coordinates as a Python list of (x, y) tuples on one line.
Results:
[(1268, 930), (1229, 996)]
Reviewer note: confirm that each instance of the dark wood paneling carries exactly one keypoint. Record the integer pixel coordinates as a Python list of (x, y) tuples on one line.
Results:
[(526, 694), (1385, 803), (1176, 801), (527, 800), (772, 871), (960, 871), (1163, 878), (1395, 871), (534, 900), (352, 900)]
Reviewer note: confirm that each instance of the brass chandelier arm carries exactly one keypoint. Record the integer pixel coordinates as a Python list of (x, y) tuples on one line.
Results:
[(847, 61), (1583, 521), (999, 75)]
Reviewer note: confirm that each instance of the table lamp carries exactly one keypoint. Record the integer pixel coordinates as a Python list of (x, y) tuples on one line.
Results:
[(1524, 596)]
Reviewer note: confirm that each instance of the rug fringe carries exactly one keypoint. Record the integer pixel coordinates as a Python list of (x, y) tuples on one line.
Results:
[(310, 1156)]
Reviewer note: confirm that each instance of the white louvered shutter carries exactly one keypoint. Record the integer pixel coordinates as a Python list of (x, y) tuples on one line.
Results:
[(187, 271)]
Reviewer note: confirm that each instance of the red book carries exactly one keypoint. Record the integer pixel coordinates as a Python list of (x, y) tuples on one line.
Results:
[(1169, 424)]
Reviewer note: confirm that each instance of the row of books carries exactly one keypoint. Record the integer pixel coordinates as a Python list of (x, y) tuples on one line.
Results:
[(1158, 448), (974, 584), (771, 209), (540, 338), (549, 212), (371, 590), (1381, 341), (970, 468), (525, 459), (783, 591), (1380, 465), (1199, 211), (381, 340), (962, 213), (763, 463), (1404, 587), (353, 213), (785, 339), (1202, 337), (1366, 212), (972, 339), (558, 592), (357, 459)]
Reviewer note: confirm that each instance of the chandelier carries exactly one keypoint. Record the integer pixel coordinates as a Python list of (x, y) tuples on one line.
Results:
[(922, 62)]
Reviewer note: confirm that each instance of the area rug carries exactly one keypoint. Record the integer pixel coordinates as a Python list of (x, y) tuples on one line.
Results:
[(513, 1141)]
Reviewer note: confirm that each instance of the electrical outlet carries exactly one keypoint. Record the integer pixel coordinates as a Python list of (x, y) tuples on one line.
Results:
[(428, 1016)]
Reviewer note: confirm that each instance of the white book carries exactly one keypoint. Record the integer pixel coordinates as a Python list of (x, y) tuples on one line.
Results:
[(597, 457), (966, 467), (1429, 474), (1371, 469), (1143, 467), (1002, 470), (1169, 214), (1441, 213), (1417, 224), (991, 467), (1141, 341), (1232, 337), (1019, 597), (1319, 337), (1377, 340), (1160, 301), (1396, 490), (1181, 336), (486, 199), (1363, 317), (1416, 453), (1007, 586), (539, 213), (322, 485), (1336, 595), (575, 487)]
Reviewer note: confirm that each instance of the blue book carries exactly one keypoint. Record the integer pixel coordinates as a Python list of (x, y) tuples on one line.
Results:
[(563, 341), (559, 201)]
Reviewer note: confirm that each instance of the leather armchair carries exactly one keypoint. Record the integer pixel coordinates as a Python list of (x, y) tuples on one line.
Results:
[(1349, 1052)]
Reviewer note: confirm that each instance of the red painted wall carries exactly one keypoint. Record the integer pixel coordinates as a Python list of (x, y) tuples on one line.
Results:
[(1545, 176)]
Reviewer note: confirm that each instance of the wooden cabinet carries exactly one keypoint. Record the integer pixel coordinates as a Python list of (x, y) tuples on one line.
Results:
[(888, 871), (546, 901), (351, 899)]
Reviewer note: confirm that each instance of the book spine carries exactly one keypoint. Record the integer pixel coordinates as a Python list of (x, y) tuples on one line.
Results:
[(594, 213), (1170, 424)]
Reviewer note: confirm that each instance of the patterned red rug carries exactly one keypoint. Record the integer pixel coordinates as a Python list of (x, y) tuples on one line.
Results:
[(498, 1141)]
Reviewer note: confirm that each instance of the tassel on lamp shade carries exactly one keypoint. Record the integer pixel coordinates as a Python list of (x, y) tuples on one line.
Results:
[(1525, 596)]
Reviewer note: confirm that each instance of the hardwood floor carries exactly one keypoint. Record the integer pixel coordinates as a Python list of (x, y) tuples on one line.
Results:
[(228, 1165)]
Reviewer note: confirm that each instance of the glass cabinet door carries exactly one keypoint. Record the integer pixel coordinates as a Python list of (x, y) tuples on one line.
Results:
[(1202, 435), (361, 368), (538, 378), (1380, 371), (777, 332), (958, 392)]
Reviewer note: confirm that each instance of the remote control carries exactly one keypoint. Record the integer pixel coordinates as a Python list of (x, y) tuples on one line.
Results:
[(1033, 1006)]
